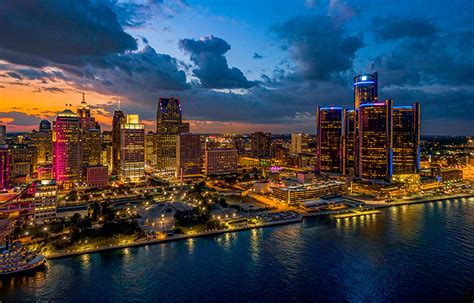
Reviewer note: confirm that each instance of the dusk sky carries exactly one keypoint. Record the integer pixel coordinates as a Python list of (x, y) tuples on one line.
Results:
[(237, 65)]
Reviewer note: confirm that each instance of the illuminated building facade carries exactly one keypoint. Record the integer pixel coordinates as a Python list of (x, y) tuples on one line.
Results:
[(188, 155), (96, 176), (5, 167), (150, 149), (45, 200), (3, 134), (375, 140), (132, 150), (117, 121), (91, 138), (24, 161), (42, 140), (299, 143), (221, 161), (330, 128), (365, 89), (406, 139), (261, 145), (169, 124), (349, 142), (66, 149)]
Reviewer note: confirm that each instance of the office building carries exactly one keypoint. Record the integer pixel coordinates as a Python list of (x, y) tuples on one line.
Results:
[(44, 193), (5, 166), (169, 124), (261, 145), (3, 134), (150, 149), (24, 161), (221, 161), (406, 139), (375, 140), (188, 155), (365, 89), (349, 142), (96, 176), (66, 149), (42, 140), (132, 150), (117, 121), (329, 151)]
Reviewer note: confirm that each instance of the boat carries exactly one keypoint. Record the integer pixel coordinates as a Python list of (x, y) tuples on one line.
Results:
[(15, 259)]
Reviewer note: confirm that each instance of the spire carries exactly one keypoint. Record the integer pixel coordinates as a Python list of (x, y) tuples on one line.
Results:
[(118, 104), (83, 103)]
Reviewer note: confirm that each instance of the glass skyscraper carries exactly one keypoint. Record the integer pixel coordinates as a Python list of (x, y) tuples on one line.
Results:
[(406, 139), (330, 129), (365, 89)]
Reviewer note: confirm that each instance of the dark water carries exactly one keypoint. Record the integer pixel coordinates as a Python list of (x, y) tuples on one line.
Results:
[(412, 253)]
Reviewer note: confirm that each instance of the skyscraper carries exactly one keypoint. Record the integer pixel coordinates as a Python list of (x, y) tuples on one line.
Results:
[(132, 150), (349, 142), (221, 161), (296, 143), (375, 140), (3, 134), (330, 128), (261, 145), (5, 159), (365, 89), (406, 139), (150, 149), (66, 149), (90, 135), (188, 155), (169, 124), (42, 140), (117, 121)]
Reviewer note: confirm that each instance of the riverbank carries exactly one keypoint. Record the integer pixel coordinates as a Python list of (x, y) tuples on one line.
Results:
[(299, 219)]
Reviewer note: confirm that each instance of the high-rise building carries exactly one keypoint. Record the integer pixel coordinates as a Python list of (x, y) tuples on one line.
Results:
[(330, 128), (91, 151), (107, 150), (150, 149), (188, 155), (221, 161), (42, 140), (365, 89), (3, 134), (5, 167), (296, 143), (349, 142), (66, 149), (406, 139), (132, 150), (117, 121), (24, 161), (375, 140), (261, 145), (169, 124), (45, 200)]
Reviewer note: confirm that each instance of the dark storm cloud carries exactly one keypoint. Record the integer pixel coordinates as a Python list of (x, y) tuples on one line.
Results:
[(212, 68), (392, 28), (65, 31), (318, 46), (20, 118)]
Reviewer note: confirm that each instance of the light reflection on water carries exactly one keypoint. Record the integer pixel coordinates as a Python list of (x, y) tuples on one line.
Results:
[(398, 255)]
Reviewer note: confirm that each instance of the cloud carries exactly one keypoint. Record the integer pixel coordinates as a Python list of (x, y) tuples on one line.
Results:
[(257, 56), (212, 69), (60, 31), (392, 28), (19, 118), (318, 46)]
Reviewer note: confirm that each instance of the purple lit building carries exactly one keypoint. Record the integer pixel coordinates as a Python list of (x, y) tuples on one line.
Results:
[(5, 165), (66, 149)]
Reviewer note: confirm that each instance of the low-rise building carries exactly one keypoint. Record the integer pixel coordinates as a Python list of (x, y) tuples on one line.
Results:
[(300, 193), (221, 161)]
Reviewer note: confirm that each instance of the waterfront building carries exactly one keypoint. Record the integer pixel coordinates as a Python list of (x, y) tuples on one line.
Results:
[(375, 140), (329, 151), (349, 142), (261, 145), (5, 159), (45, 204), (132, 150), (221, 161), (24, 161), (169, 124), (365, 89), (66, 149), (150, 149), (303, 192), (188, 155), (42, 140), (117, 121), (406, 139)]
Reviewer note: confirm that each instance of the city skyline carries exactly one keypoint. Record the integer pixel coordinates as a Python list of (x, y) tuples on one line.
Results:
[(263, 74)]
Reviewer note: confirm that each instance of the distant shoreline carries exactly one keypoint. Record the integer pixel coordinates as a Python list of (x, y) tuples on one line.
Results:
[(299, 219)]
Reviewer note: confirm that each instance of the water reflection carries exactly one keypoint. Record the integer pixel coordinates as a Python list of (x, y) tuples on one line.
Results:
[(190, 245), (85, 262)]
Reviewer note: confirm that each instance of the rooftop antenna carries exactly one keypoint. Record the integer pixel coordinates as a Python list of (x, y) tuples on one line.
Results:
[(118, 104), (84, 97)]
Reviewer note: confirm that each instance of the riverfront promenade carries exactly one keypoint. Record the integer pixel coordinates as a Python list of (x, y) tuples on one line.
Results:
[(298, 219)]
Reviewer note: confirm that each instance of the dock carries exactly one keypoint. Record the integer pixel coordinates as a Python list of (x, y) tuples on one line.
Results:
[(357, 213)]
